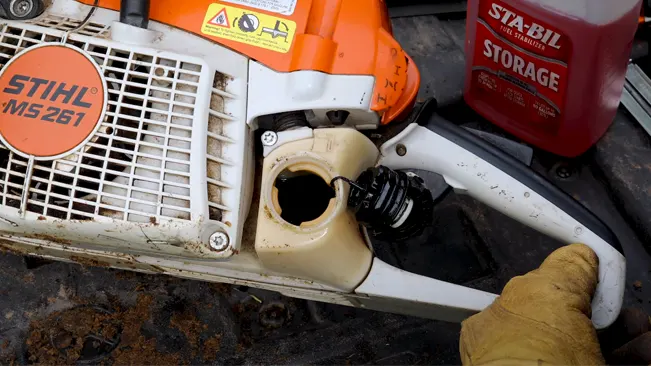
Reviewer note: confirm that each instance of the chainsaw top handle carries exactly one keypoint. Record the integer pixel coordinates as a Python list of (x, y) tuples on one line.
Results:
[(474, 167), (519, 171)]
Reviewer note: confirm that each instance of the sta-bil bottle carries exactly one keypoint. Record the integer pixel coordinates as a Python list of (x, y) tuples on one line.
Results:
[(549, 71)]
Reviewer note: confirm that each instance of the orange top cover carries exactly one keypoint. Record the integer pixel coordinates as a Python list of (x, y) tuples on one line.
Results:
[(341, 37)]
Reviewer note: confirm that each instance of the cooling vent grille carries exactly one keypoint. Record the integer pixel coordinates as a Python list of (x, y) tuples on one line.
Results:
[(67, 24), (138, 166), (217, 120)]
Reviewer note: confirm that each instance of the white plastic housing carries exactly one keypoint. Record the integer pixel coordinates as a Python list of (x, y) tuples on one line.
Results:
[(170, 165), (315, 92), (469, 174)]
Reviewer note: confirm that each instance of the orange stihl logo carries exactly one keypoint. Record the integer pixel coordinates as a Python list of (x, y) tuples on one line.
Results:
[(52, 100), (47, 91)]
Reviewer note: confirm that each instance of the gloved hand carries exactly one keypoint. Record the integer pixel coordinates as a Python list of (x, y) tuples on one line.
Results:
[(542, 317)]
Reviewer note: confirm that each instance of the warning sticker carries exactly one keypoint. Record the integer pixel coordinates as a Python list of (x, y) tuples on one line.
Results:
[(221, 19), (285, 7), (249, 27)]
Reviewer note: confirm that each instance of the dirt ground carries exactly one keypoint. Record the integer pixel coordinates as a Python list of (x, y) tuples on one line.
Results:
[(92, 334), (60, 314)]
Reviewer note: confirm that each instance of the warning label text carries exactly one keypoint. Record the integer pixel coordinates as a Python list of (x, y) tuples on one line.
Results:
[(249, 27), (284, 7)]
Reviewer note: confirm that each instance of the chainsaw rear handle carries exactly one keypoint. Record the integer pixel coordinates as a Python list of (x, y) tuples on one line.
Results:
[(474, 167)]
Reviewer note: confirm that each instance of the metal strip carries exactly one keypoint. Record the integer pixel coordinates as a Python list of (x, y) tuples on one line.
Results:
[(638, 80), (636, 97), (28, 182), (636, 110)]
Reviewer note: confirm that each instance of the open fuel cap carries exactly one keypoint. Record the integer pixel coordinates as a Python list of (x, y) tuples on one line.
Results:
[(52, 101)]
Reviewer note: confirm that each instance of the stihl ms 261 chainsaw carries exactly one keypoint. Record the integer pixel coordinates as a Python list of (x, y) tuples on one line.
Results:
[(128, 142)]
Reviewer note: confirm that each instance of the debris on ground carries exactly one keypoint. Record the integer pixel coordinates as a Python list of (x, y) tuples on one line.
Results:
[(144, 352), (187, 322), (222, 288), (93, 334), (211, 347), (61, 337), (116, 335)]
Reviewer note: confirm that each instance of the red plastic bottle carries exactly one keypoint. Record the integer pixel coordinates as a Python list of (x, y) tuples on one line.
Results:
[(549, 71)]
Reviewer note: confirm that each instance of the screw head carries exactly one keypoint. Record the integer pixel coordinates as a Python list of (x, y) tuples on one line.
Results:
[(21, 8), (401, 150), (563, 172), (269, 138), (219, 241)]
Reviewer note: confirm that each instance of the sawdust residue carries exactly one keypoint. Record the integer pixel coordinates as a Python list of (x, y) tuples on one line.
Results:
[(29, 278), (134, 318), (63, 337), (60, 338), (190, 326), (195, 333), (211, 347), (144, 352), (9, 360), (8, 248), (221, 288), (134, 348), (89, 262)]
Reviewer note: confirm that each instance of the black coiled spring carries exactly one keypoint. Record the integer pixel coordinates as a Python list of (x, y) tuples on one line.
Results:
[(393, 204)]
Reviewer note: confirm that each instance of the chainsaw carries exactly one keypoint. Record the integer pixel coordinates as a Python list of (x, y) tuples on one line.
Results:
[(127, 141)]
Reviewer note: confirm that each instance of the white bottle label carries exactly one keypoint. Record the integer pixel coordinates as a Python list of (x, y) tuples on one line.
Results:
[(285, 7)]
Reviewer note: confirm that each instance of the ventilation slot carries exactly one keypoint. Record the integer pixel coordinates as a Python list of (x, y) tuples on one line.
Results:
[(12, 177), (67, 24), (216, 144), (137, 166), (13, 40)]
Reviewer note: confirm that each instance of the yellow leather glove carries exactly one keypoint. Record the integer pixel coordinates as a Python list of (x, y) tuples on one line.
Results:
[(541, 318)]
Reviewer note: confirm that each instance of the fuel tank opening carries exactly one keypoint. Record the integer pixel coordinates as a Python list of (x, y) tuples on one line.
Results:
[(302, 196)]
